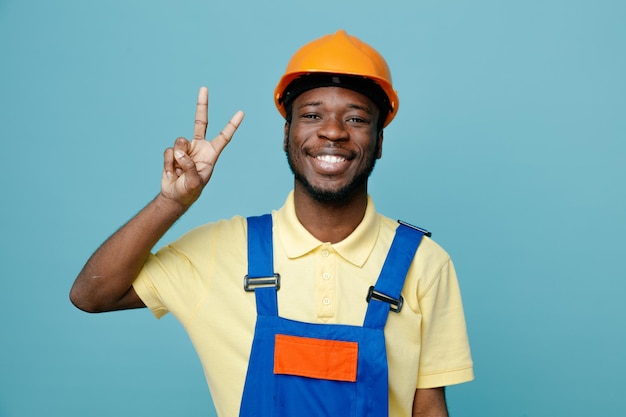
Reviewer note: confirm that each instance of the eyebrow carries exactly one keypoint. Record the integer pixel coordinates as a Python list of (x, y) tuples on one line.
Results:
[(310, 103), (360, 107), (349, 106)]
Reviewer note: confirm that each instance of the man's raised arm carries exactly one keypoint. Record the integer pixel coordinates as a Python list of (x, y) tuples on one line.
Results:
[(105, 282)]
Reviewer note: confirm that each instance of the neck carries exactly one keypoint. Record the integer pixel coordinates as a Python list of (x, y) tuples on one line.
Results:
[(330, 221)]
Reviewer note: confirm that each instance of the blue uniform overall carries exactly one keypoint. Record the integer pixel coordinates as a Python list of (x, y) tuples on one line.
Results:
[(308, 369)]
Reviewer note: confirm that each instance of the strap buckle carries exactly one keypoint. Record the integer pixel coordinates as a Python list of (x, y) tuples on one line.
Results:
[(419, 229), (252, 283), (395, 305)]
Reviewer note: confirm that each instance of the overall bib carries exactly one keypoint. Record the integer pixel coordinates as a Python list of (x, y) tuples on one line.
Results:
[(308, 369)]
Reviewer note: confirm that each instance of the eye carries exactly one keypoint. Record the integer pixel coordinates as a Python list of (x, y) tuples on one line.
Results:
[(358, 120)]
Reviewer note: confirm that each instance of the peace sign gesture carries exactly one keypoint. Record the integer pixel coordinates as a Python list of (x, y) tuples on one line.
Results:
[(188, 166)]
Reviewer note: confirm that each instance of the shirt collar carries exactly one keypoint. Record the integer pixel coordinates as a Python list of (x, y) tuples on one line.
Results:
[(297, 241)]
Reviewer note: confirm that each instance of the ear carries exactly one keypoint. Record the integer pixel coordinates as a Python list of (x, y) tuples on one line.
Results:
[(286, 136), (379, 145)]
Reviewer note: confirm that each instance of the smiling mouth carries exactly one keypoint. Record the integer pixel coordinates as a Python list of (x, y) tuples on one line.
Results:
[(330, 159)]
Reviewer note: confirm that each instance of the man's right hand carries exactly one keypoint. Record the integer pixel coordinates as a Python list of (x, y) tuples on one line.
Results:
[(105, 282), (188, 165)]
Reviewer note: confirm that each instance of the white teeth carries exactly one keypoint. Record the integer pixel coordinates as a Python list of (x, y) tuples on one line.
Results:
[(331, 159)]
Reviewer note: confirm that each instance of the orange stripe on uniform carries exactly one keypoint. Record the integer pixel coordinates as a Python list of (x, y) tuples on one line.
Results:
[(316, 358)]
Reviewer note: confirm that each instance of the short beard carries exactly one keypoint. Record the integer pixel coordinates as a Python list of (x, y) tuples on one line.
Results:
[(333, 197)]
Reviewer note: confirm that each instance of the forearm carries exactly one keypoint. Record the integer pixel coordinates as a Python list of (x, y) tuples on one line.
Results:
[(106, 279), (430, 403)]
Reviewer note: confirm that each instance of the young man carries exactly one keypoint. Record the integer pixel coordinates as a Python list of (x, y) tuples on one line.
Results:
[(324, 307)]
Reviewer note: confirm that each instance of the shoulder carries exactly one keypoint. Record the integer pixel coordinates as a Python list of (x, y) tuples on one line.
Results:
[(428, 246), (429, 263), (227, 232), (234, 224)]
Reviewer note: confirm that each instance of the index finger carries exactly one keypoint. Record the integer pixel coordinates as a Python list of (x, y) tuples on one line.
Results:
[(202, 114)]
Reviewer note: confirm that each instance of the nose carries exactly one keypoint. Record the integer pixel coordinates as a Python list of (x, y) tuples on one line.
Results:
[(333, 129)]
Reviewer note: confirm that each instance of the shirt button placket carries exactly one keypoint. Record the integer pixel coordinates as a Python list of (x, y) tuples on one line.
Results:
[(326, 286)]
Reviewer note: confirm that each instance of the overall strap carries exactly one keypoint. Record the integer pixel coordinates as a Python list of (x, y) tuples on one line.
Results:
[(385, 295), (261, 277)]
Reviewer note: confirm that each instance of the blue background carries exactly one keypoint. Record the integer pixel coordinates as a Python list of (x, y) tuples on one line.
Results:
[(509, 146)]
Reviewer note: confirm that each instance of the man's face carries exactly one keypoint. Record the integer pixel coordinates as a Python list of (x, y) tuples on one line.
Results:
[(332, 142)]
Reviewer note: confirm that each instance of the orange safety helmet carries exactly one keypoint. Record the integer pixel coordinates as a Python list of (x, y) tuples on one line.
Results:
[(340, 54)]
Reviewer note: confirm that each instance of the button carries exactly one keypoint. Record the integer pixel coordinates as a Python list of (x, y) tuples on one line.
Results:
[(326, 301), (325, 253), (326, 276)]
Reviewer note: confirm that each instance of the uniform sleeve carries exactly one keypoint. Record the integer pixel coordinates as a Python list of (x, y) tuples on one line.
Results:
[(146, 286), (172, 278), (445, 357)]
